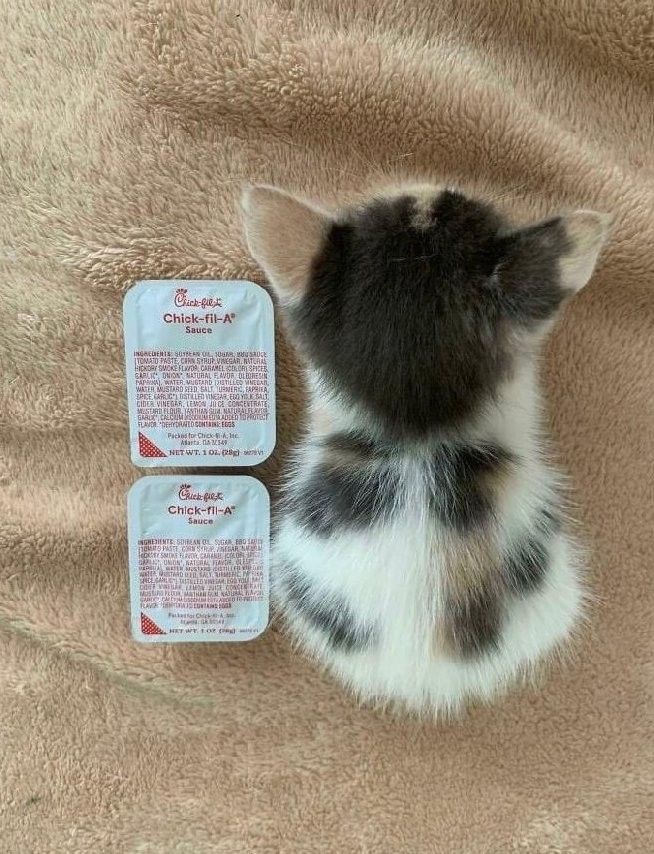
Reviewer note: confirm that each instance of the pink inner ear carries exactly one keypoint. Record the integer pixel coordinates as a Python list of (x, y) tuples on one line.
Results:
[(284, 235), (587, 232)]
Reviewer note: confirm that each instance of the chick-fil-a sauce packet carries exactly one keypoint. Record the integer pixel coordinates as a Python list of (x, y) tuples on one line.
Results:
[(199, 555), (200, 361)]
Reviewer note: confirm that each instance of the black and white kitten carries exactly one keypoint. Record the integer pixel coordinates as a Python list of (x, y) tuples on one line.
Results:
[(421, 553)]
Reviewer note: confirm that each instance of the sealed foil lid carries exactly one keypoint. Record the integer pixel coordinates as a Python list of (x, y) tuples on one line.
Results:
[(199, 557), (200, 364)]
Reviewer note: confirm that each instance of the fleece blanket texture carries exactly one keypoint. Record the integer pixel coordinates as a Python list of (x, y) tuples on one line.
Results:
[(126, 131)]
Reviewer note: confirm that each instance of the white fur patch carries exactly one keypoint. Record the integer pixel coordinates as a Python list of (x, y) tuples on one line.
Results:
[(391, 575)]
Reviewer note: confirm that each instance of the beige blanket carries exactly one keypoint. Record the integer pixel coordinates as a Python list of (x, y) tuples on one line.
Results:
[(126, 131)]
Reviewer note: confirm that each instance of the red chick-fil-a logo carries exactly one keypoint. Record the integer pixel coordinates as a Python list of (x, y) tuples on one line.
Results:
[(204, 513), (186, 494), (182, 300)]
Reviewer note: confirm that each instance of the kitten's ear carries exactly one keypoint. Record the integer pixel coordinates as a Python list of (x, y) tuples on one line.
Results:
[(539, 266), (586, 232), (284, 235)]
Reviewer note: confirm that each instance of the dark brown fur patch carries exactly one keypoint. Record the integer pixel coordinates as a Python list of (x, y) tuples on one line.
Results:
[(340, 497), (479, 581), (466, 480), (351, 449), (331, 617), (471, 622), (526, 563), (473, 625)]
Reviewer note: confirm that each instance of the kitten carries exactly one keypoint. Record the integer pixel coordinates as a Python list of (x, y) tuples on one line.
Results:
[(421, 553)]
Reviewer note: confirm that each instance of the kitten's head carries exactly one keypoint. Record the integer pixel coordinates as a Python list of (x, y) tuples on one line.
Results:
[(416, 305)]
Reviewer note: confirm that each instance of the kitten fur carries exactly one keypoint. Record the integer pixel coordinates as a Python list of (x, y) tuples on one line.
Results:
[(421, 552)]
